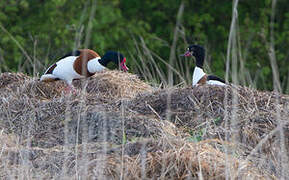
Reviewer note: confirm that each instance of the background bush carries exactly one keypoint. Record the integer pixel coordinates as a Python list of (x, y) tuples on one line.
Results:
[(34, 34)]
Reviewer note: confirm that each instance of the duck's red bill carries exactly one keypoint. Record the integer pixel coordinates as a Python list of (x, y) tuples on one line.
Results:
[(123, 66), (188, 53)]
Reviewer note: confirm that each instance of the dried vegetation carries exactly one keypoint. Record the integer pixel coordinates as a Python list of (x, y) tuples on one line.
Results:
[(117, 126)]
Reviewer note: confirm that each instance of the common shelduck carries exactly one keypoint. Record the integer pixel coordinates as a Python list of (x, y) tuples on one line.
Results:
[(80, 64), (199, 76)]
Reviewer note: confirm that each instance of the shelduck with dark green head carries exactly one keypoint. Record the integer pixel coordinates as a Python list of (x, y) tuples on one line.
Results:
[(199, 76), (80, 64)]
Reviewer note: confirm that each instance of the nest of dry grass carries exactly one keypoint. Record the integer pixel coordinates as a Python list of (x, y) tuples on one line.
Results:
[(165, 158), (119, 126), (47, 124), (207, 101), (249, 118), (115, 85), (185, 160), (106, 85), (40, 112), (238, 106), (9, 78)]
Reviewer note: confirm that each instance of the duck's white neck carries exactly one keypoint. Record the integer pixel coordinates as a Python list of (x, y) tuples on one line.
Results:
[(94, 66), (198, 74)]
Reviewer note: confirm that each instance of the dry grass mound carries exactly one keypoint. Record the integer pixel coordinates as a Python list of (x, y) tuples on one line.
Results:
[(182, 161), (106, 85), (119, 126), (18, 84), (165, 158), (33, 88), (8, 78), (41, 113), (249, 118), (115, 85), (207, 101), (239, 106), (48, 124)]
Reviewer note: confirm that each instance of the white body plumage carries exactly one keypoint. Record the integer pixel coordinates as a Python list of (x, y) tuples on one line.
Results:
[(199, 74), (65, 69), (214, 82)]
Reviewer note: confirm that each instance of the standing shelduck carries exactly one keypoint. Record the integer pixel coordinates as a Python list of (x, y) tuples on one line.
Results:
[(80, 64), (199, 76)]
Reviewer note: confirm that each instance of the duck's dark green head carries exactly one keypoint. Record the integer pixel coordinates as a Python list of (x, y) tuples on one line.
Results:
[(198, 52), (116, 57)]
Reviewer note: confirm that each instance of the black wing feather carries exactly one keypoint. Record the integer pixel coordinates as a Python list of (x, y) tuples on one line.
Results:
[(213, 77), (72, 53)]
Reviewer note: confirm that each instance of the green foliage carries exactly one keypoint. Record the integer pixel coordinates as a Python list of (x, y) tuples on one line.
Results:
[(197, 136), (48, 29)]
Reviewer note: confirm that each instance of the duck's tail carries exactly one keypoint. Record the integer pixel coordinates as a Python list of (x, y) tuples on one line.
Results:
[(48, 78)]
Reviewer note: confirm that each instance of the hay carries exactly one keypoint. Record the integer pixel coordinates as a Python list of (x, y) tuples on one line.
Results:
[(8, 78), (34, 89), (115, 85), (191, 107), (118, 117), (18, 85), (206, 113), (106, 85), (206, 101), (165, 158), (45, 123), (187, 160)]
